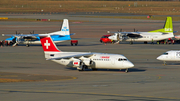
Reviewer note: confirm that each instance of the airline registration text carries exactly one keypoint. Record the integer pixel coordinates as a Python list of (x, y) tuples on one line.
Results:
[(105, 57), (76, 63)]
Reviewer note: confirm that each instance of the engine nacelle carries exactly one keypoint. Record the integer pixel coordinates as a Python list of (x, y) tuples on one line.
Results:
[(81, 61), (76, 63), (87, 61)]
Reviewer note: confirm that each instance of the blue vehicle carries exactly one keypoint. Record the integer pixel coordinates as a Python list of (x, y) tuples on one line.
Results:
[(28, 39)]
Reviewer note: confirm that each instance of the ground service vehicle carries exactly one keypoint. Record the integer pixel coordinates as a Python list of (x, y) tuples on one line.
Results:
[(105, 39)]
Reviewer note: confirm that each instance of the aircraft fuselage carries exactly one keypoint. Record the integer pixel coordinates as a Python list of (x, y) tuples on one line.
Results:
[(97, 60), (172, 55)]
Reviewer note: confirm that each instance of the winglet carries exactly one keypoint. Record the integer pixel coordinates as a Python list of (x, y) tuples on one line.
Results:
[(168, 26), (48, 45)]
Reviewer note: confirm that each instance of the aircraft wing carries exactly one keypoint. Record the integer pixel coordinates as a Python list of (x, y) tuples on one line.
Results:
[(16, 35), (29, 35), (7, 34), (130, 34), (70, 56)]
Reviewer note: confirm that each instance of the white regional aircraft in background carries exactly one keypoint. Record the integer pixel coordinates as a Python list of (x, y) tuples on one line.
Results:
[(83, 60), (172, 55), (155, 35), (28, 39)]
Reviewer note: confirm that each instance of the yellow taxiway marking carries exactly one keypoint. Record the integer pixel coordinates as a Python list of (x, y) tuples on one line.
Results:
[(90, 93), (8, 76), (159, 77), (6, 80)]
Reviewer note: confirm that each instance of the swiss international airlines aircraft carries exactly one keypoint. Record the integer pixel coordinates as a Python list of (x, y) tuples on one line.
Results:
[(83, 60)]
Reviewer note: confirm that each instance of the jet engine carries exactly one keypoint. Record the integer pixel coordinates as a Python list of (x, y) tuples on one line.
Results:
[(76, 63), (86, 61)]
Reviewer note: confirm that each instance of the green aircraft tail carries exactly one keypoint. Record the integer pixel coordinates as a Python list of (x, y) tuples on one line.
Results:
[(168, 26)]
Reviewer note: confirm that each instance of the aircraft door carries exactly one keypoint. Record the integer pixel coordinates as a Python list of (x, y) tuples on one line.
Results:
[(177, 55), (112, 61)]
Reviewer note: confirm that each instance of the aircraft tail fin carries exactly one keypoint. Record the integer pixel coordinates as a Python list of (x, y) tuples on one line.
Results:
[(64, 29), (168, 26), (48, 45)]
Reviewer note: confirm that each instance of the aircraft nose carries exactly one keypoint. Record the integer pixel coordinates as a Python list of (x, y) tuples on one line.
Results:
[(159, 57), (128, 64), (110, 37)]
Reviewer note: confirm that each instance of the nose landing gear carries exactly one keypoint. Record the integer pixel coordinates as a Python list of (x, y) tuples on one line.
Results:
[(126, 70)]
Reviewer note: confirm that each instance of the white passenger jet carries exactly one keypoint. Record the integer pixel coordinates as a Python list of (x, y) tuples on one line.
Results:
[(28, 39), (172, 55), (83, 60), (155, 35)]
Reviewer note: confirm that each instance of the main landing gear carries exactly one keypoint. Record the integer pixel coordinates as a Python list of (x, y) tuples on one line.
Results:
[(27, 45), (131, 42), (82, 67)]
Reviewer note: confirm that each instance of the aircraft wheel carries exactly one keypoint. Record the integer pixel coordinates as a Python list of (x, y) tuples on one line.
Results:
[(27, 45), (145, 42), (83, 67), (94, 69), (126, 70), (131, 43)]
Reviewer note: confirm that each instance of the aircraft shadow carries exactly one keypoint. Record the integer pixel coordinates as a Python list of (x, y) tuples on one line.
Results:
[(172, 63), (113, 70), (136, 70)]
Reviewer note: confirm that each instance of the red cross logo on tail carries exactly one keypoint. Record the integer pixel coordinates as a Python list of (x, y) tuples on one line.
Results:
[(48, 45)]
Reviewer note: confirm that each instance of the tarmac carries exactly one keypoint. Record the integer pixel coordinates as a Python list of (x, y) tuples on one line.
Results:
[(45, 80)]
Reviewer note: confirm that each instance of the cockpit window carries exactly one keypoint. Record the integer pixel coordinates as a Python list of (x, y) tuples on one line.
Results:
[(165, 53), (120, 59), (104, 37)]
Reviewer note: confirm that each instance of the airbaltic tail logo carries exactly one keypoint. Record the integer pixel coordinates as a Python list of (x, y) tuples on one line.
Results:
[(168, 29), (168, 26), (48, 45)]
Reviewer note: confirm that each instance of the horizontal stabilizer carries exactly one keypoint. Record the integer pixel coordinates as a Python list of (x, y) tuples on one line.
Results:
[(72, 33), (175, 31)]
